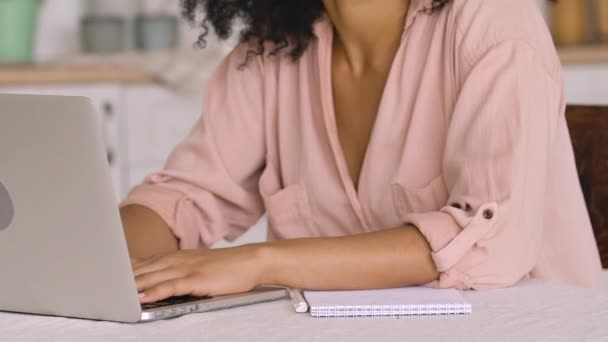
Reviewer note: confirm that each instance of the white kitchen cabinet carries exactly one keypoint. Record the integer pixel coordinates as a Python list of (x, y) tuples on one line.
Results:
[(157, 119)]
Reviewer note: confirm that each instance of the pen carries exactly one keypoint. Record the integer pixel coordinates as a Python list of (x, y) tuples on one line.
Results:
[(298, 301)]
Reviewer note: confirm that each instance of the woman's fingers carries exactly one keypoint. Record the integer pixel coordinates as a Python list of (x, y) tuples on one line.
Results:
[(154, 264), (151, 279), (137, 263), (159, 262), (170, 288)]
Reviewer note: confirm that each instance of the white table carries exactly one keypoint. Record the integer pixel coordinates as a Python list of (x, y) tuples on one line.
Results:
[(532, 311)]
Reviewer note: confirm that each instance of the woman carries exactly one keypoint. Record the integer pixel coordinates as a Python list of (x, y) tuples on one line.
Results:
[(391, 143)]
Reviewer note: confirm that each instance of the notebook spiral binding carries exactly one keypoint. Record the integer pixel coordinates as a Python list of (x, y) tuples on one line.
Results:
[(391, 310)]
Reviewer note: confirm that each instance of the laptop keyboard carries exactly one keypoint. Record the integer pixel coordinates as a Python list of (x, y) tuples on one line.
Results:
[(172, 301)]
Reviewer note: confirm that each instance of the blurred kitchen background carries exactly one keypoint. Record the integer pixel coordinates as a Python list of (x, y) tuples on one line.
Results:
[(136, 60)]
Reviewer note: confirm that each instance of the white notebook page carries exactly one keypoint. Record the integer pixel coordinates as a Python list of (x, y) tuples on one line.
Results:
[(389, 302)]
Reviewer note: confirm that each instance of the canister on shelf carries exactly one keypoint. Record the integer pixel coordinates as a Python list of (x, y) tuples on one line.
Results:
[(570, 22), (601, 11), (17, 30)]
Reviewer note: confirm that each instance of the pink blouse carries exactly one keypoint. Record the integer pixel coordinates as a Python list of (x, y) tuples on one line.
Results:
[(470, 145)]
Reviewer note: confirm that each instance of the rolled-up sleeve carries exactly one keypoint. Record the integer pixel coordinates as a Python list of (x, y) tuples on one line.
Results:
[(499, 138), (208, 188)]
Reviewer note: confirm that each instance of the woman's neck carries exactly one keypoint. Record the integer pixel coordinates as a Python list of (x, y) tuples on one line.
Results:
[(368, 32)]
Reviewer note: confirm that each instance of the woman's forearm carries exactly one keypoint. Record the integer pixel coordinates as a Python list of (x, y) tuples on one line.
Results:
[(146, 232), (391, 258)]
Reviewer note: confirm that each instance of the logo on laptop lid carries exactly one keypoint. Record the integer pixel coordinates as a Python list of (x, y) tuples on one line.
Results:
[(7, 211)]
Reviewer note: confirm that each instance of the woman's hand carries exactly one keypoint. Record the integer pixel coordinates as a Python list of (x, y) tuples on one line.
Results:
[(198, 273)]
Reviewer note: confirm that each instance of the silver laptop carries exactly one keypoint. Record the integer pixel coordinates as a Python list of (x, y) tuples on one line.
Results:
[(62, 247)]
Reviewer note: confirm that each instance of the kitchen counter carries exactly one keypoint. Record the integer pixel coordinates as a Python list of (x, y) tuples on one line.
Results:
[(584, 54), (51, 74)]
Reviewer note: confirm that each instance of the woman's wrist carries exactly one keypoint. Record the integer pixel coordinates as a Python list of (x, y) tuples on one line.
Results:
[(267, 261)]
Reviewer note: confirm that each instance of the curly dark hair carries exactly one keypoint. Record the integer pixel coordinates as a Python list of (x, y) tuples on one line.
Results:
[(284, 23)]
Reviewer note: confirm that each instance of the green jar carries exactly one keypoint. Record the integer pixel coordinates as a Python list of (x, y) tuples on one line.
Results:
[(17, 30)]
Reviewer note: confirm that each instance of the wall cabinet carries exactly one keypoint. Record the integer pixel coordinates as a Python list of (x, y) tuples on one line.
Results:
[(157, 119)]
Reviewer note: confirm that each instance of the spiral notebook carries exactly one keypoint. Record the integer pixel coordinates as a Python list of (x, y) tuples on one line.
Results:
[(412, 301)]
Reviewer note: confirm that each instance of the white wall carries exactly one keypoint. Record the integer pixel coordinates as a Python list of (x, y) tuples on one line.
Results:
[(58, 35)]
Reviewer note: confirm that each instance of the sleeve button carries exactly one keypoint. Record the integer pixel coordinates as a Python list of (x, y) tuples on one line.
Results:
[(488, 214)]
